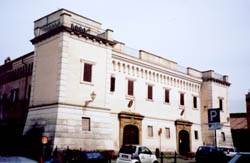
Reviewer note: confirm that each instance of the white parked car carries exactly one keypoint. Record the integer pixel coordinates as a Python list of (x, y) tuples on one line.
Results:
[(228, 151), (135, 154)]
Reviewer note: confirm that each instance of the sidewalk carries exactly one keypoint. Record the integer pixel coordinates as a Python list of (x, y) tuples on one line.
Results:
[(178, 160)]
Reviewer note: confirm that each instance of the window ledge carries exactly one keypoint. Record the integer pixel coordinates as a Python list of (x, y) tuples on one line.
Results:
[(150, 100), (181, 106), (167, 103), (129, 97), (87, 132), (87, 83)]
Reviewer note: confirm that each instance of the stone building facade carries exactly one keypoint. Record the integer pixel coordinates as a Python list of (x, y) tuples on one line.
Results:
[(15, 88), (248, 111), (240, 132), (90, 91)]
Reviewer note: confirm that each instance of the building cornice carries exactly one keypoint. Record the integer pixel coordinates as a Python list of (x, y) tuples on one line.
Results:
[(38, 107), (216, 81), (15, 60), (146, 65)]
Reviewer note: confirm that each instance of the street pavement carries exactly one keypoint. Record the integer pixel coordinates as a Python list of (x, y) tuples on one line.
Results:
[(170, 160)]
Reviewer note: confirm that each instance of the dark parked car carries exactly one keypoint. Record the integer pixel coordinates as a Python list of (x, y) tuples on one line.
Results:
[(210, 154), (74, 156), (93, 157)]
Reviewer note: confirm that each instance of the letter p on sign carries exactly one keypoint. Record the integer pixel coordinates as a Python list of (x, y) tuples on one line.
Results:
[(214, 115)]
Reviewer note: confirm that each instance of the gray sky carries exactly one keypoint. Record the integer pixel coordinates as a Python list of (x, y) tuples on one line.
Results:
[(202, 34)]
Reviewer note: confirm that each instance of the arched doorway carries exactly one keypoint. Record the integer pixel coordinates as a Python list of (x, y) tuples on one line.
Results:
[(184, 144), (130, 135)]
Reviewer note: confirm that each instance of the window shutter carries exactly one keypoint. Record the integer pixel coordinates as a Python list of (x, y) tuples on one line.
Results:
[(195, 102), (130, 88), (166, 96), (182, 99), (112, 84), (150, 92), (87, 72)]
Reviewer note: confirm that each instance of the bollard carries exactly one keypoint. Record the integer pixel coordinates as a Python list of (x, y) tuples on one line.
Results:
[(157, 152), (175, 156), (161, 157)]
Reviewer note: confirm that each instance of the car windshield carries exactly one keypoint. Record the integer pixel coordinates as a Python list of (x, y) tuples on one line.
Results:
[(205, 149), (128, 149), (226, 149)]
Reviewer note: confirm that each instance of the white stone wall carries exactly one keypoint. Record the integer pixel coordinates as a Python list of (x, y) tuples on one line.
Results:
[(46, 71), (161, 142), (69, 129), (80, 51), (63, 125)]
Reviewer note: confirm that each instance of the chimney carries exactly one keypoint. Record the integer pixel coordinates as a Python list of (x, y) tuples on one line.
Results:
[(7, 60)]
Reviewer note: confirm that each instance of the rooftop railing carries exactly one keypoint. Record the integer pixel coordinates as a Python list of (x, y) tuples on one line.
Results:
[(131, 51), (182, 69), (218, 76), (135, 53)]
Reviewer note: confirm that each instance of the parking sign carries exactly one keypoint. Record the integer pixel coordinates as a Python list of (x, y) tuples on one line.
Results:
[(214, 115), (214, 119)]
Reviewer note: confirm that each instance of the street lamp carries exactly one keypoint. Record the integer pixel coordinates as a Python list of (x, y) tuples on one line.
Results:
[(92, 96)]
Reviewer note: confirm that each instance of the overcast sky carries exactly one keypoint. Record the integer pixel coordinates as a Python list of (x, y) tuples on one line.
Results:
[(202, 34)]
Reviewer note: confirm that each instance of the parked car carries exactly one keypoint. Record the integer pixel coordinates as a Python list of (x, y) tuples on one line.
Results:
[(93, 157), (210, 154), (52, 160), (16, 159), (75, 156), (241, 157), (228, 151), (135, 154)]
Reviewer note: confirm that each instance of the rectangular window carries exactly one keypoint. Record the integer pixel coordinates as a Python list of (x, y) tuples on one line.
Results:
[(4, 98), (150, 92), (166, 95), (196, 135), (150, 131), (223, 136), (130, 88), (221, 104), (112, 84), (194, 102), (87, 74), (85, 124), (14, 95), (29, 93), (182, 99), (167, 132)]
